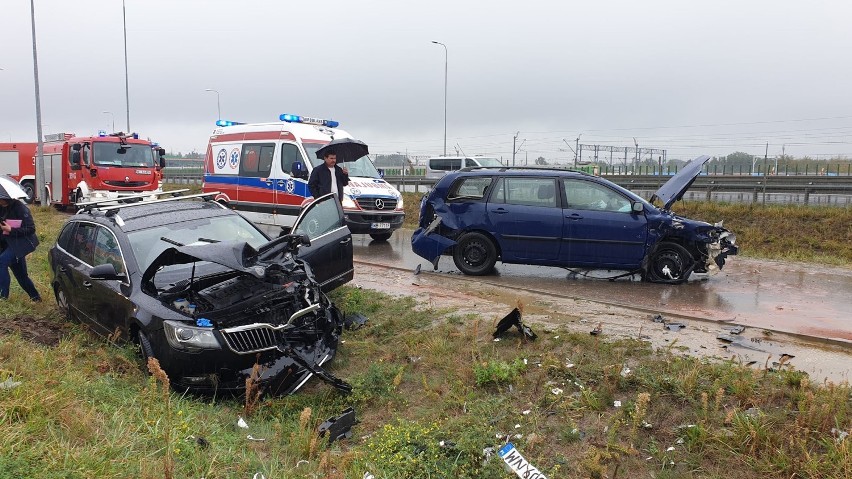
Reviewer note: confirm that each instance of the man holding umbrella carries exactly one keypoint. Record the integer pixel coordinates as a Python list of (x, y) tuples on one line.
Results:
[(330, 178), (17, 239)]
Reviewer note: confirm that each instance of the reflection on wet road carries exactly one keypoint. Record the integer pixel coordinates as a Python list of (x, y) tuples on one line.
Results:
[(789, 297)]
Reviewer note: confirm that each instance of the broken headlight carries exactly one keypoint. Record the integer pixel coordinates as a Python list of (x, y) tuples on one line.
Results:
[(189, 338)]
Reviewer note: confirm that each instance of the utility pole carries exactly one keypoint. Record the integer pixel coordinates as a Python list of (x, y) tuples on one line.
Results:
[(576, 152), (126, 80), (514, 150), (636, 156), (40, 180)]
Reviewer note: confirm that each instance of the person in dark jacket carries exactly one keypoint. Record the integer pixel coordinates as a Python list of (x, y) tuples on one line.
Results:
[(328, 177), (15, 244)]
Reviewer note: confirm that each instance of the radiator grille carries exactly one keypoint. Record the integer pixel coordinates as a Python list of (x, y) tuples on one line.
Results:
[(370, 203), (252, 339)]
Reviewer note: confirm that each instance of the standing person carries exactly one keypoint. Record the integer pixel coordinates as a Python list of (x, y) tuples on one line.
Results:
[(15, 244), (328, 178)]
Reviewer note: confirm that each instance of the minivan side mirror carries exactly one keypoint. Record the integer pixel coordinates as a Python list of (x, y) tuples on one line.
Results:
[(298, 170), (637, 207)]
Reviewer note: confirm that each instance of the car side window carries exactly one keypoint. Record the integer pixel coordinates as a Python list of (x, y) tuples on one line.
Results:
[(320, 219), (289, 154), (470, 188), (587, 195), (83, 242), (107, 250), (66, 236), (530, 191)]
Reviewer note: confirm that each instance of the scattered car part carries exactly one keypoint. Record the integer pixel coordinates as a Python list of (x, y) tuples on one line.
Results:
[(514, 319), (339, 427)]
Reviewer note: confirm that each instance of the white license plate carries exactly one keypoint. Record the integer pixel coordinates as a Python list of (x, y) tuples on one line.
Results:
[(380, 226), (518, 464)]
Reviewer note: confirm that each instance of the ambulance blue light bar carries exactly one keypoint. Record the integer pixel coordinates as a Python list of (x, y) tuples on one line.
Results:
[(227, 123), (306, 119)]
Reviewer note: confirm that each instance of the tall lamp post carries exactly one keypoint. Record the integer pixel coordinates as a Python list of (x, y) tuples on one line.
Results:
[(218, 109), (113, 119), (126, 81), (445, 95), (40, 183)]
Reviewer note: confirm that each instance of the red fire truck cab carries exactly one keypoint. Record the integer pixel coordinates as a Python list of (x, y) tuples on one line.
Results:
[(17, 160), (79, 169)]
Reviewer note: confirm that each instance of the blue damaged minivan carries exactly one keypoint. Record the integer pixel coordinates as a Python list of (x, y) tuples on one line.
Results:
[(557, 217)]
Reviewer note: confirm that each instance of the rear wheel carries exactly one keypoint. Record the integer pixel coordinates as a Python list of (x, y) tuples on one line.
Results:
[(29, 189), (380, 236), (670, 263), (475, 254)]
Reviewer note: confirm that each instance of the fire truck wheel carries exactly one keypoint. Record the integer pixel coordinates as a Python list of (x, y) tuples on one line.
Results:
[(29, 189)]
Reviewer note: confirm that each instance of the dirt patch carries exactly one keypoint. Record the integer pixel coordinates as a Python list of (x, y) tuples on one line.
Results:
[(545, 313), (38, 330)]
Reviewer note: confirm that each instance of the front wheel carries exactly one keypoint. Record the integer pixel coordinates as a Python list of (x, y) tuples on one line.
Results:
[(669, 263), (145, 349), (380, 236), (29, 189), (475, 254)]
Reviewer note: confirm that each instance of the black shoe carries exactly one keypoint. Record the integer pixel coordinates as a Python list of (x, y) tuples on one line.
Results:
[(37, 299)]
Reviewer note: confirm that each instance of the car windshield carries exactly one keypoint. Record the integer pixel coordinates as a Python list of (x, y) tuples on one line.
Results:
[(147, 245), (492, 162), (127, 156), (361, 167)]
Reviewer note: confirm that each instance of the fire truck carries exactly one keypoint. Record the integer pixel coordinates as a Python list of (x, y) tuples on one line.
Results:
[(18, 161), (107, 166)]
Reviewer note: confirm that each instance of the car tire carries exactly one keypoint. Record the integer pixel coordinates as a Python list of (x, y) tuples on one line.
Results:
[(669, 263), (475, 254), (145, 349), (380, 236), (63, 302), (29, 189)]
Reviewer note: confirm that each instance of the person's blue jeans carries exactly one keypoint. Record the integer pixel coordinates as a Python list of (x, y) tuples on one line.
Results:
[(19, 269)]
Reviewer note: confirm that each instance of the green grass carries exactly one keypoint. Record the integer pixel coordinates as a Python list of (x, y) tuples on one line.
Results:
[(432, 393)]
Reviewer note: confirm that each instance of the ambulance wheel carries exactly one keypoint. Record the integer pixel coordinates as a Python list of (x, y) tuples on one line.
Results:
[(29, 189), (380, 236)]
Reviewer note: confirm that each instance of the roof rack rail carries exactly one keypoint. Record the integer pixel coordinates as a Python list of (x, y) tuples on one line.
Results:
[(88, 205), (205, 196), (507, 168)]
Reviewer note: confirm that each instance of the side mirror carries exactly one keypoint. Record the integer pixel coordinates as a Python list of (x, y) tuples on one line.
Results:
[(75, 160), (298, 170), (161, 151), (106, 272), (381, 172), (285, 230), (76, 147), (637, 207), (162, 162)]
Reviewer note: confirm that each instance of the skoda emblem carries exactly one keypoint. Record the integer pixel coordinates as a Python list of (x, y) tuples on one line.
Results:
[(380, 205)]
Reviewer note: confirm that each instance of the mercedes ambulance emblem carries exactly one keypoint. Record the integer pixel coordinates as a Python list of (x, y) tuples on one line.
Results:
[(380, 205)]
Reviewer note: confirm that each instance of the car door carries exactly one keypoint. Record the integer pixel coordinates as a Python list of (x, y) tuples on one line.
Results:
[(110, 298), (75, 267), (600, 230), (526, 218), (330, 252)]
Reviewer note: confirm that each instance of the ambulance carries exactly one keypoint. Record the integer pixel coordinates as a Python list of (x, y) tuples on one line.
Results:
[(262, 170)]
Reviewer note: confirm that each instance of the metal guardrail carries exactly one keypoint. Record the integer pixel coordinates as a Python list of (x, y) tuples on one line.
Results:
[(758, 186)]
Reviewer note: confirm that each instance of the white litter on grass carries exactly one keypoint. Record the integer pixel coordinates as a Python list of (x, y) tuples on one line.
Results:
[(670, 449), (252, 438), (519, 436), (625, 372), (556, 337), (301, 461), (525, 412), (680, 441), (556, 391), (517, 426), (569, 365), (646, 425), (9, 384), (496, 340), (367, 475), (616, 403), (242, 423)]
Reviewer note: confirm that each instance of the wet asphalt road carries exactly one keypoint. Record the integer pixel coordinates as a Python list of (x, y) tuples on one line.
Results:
[(802, 299)]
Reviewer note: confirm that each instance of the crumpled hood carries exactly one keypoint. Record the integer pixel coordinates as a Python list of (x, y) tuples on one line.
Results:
[(236, 255), (677, 185)]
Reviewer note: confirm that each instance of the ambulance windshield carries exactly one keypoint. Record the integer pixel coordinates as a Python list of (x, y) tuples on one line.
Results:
[(362, 167), (127, 156)]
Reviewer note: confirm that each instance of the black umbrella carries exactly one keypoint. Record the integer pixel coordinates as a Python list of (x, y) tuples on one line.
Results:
[(346, 149)]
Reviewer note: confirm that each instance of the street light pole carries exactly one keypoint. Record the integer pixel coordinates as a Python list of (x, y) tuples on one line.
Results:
[(218, 109), (113, 120), (40, 180), (126, 80), (445, 94)]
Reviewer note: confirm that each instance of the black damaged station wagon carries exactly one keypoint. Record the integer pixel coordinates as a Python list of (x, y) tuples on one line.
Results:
[(206, 292)]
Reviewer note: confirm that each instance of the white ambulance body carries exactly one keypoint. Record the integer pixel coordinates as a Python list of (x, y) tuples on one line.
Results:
[(262, 170)]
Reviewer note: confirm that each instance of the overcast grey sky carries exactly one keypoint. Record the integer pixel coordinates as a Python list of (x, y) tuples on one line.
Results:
[(692, 78)]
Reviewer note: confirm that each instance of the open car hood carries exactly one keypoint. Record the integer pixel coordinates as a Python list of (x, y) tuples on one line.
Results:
[(677, 185), (236, 255)]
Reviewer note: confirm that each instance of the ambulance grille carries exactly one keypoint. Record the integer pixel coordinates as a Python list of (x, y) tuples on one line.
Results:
[(369, 203)]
